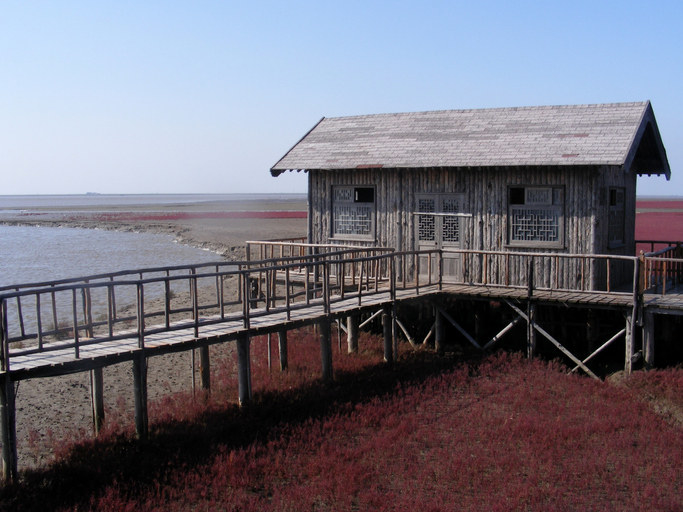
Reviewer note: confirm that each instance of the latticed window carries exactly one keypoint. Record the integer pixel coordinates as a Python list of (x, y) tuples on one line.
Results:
[(536, 216), (353, 212), (438, 218), (451, 225), (617, 212), (426, 224)]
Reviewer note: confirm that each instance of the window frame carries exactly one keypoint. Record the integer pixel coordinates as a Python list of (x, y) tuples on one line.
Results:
[(541, 198), (357, 199), (614, 207)]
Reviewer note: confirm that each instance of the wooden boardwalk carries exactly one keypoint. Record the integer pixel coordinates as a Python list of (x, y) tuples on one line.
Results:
[(273, 296)]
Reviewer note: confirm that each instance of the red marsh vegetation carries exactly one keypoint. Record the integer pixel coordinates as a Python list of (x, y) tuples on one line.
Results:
[(432, 433)]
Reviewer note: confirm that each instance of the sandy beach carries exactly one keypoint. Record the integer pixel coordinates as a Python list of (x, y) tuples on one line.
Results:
[(57, 409)]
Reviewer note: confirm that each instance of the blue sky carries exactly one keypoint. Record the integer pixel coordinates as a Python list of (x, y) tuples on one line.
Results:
[(204, 96)]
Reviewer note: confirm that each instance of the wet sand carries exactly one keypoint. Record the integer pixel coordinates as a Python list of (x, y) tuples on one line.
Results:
[(57, 409)]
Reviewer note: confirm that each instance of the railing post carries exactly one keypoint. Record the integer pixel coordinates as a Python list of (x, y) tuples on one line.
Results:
[(245, 298), (195, 301), (440, 269), (141, 315), (326, 286), (530, 277), (74, 308)]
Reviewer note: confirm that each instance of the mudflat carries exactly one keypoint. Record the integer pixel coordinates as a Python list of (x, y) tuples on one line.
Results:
[(53, 410)]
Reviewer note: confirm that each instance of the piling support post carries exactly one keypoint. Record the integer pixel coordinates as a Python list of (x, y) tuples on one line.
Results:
[(649, 339), (8, 429), (244, 369), (282, 348), (387, 325), (97, 398), (352, 333), (326, 349), (628, 342), (531, 331), (204, 368), (438, 331), (140, 391)]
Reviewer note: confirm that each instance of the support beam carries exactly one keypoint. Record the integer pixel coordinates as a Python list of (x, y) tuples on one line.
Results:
[(388, 335), (97, 398), (553, 341), (372, 317), (502, 333), (326, 349), (410, 339), (204, 368), (649, 339), (460, 329), (628, 345), (602, 347), (531, 331), (140, 391), (438, 331), (244, 369), (352, 333), (282, 348), (8, 428), (429, 334)]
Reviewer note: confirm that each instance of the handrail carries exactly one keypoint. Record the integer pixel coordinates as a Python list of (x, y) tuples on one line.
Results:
[(283, 284)]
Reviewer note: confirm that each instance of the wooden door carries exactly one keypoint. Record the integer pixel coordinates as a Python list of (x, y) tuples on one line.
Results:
[(439, 220)]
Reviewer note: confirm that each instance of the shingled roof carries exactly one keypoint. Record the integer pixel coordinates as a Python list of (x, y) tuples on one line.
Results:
[(622, 134)]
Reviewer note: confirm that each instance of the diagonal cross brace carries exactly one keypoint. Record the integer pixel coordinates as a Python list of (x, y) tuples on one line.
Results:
[(502, 332), (554, 341), (462, 331), (602, 347)]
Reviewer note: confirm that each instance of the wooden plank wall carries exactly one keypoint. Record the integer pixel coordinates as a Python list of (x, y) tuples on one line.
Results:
[(586, 196)]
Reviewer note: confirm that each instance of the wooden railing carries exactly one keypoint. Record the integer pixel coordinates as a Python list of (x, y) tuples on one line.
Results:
[(73, 313), (547, 271), (85, 311), (662, 270)]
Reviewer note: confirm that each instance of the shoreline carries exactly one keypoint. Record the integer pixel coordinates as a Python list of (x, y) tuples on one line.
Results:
[(56, 409), (218, 226)]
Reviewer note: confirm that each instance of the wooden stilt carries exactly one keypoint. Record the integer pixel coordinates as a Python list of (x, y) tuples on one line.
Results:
[(628, 359), (140, 391), (649, 339), (388, 338), (204, 368), (352, 334), (9, 429), (97, 398), (282, 347), (326, 349), (244, 369), (438, 331), (531, 331)]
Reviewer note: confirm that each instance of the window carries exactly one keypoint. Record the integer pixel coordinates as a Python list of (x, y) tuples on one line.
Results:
[(353, 212), (615, 224), (536, 216)]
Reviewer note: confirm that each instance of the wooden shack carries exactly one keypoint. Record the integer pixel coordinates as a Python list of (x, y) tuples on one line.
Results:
[(542, 179)]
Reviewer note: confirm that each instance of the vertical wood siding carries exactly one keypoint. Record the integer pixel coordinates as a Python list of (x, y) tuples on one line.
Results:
[(586, 210)]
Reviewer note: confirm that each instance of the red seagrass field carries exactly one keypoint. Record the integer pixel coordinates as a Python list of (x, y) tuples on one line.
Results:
[(451, 432), (659, 220)]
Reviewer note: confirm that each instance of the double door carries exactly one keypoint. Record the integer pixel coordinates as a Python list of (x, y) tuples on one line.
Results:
[(439, 225)]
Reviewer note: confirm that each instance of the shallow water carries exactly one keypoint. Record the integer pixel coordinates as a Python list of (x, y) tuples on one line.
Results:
[(30, 254)]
